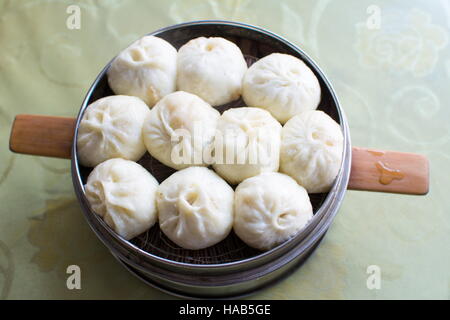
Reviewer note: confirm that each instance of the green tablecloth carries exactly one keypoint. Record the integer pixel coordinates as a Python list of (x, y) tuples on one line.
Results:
[(389, 62)]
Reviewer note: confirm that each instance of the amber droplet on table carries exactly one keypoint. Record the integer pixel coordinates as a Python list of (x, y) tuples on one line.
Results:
[(376, 152), (387, 175)]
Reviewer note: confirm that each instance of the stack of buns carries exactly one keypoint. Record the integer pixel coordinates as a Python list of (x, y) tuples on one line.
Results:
[(249, 169)]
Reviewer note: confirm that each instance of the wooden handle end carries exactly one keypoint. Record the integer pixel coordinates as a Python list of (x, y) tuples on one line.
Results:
[(42, 135), (389, 171)]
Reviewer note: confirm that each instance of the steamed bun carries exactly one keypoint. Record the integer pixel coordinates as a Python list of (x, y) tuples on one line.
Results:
[(281, 84), (211, 68), (195, 208), (146, 69), (179, 129), (123, 193), (269, 209), (250, 144), (111, 127), (311, 150)]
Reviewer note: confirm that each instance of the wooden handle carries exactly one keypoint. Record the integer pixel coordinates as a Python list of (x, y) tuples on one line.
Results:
[(389, 171), (42, 135), (372, 170)]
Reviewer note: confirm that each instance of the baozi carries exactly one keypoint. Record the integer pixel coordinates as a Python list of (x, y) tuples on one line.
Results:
[(311, 150), (180, 129), (146, 69), (123, 193), (212, 68), (269, 209), (281, 84), (195, 208), (247, 144), (111, 127)]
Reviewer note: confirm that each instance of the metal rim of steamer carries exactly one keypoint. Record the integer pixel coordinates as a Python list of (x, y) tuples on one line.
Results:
[(231, 278)]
